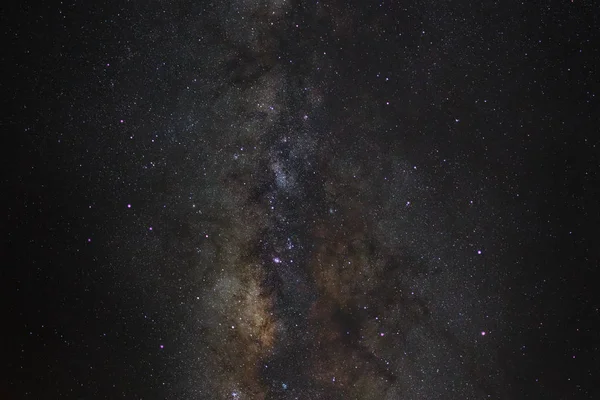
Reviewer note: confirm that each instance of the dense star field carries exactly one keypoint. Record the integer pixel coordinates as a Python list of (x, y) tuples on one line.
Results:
[(284, 199)]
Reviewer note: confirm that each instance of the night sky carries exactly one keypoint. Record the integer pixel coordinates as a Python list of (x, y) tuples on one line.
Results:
[(306, 200)]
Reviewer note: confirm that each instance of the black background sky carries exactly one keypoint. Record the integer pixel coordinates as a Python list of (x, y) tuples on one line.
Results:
[(300, 200)]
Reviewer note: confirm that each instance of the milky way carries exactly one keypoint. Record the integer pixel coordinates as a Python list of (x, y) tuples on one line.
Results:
[(280, 199), (313, 233)]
